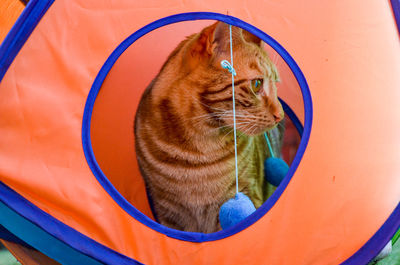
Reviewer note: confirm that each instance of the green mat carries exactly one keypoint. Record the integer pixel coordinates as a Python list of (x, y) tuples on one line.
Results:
[(393, 258), (6, 258)]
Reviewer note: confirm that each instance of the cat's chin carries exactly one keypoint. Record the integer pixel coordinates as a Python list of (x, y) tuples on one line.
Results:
[(254, 133), (258, 131)]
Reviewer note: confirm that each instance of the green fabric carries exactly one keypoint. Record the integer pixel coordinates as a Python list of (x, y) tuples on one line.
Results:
[(396, 237), (6, 258), (393, 258)]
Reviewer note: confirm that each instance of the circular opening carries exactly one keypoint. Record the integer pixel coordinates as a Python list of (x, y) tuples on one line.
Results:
[(108, 122)]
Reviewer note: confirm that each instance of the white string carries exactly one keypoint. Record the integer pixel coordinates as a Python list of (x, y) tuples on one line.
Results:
[(225, 64)]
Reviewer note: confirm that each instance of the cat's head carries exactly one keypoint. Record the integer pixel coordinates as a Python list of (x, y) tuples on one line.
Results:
[(257, 106)]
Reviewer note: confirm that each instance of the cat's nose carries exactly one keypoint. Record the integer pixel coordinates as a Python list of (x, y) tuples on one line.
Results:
[(278, 116), (277, 112)]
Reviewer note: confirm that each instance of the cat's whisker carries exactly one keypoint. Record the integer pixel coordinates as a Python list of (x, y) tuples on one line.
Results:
[(230, 131), (207, 117), (241, 134), (245, 129), (208, 106), (244, 116), (276, 60), (250, 130), (220, 115), (254, 129), (246, 113), (221, 127), (239, 122), (241, 115), (239, 127), (216, 113)]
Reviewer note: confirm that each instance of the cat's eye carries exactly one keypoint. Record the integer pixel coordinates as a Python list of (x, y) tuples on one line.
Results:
[(256, 85)]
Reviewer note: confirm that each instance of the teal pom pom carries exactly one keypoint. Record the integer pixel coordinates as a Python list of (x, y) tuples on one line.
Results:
[(235, 210), (275, 169)]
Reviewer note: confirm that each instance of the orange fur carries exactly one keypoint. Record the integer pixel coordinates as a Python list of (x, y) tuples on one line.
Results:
[(183, 128)]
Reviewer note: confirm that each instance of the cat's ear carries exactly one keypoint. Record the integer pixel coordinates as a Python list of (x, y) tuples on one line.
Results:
[(249, 37), (222, 39), (213, 39), (204, 45), (201, 48)]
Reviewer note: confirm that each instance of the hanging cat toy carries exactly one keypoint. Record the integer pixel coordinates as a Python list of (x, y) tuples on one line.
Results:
[(238, 208)]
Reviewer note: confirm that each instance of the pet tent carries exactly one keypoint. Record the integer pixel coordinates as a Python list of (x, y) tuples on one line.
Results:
[(72, 73)]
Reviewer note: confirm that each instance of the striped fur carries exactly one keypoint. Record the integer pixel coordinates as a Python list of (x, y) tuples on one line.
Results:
[(183, 128)]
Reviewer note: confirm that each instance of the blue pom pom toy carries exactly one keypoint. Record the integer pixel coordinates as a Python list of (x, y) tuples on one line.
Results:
[(235, 210), (275, 169)]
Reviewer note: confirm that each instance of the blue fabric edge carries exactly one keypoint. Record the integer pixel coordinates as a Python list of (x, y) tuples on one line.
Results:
[(8, 236), (20, 32), (54, 236), (378, 241), (46, 243), (396, 12), (123, 203), (292, 116)]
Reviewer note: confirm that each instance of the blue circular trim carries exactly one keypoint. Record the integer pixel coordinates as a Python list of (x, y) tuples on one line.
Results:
[(124, 204)]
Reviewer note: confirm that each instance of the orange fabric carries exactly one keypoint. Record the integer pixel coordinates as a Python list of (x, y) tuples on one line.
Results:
[(9, 12), (344, 189)]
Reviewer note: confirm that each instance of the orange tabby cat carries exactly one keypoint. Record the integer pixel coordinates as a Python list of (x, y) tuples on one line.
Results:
[(183, 127)]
